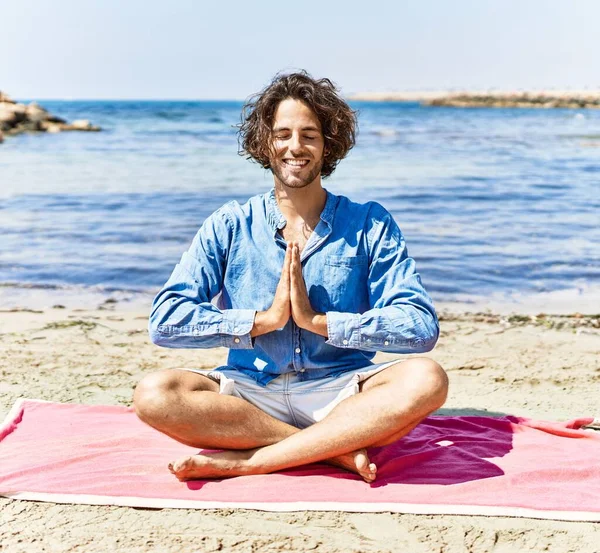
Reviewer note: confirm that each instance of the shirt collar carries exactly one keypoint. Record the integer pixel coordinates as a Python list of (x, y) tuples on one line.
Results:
[(277, 220)]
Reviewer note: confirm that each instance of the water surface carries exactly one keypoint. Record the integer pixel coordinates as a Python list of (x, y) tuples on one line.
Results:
[(494, 203)]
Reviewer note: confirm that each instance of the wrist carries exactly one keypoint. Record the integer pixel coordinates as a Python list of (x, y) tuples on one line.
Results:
[(305, 320), (319, 321), (263, 323), (316, 323)]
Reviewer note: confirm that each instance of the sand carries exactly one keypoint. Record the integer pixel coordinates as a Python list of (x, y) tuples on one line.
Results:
[(544, 367)]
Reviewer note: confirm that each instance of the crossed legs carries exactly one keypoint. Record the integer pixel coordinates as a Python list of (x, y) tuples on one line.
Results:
[(188, 407)]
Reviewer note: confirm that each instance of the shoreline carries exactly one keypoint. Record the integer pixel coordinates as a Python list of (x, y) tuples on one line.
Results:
[(558, 302)]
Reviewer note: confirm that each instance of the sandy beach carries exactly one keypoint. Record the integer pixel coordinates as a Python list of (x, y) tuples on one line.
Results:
[(540, 367)]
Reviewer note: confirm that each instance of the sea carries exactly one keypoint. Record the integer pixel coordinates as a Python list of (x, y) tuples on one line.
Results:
[(499, 207)]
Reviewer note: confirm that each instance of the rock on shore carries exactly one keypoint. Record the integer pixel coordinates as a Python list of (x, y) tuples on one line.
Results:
[(16, 118)]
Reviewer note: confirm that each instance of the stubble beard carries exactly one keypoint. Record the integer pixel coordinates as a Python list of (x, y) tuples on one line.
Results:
[(296, 182)]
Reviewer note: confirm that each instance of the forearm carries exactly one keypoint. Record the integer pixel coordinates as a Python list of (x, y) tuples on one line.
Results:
[(394, 329), (315, 323), (177, 322), (263, 324)]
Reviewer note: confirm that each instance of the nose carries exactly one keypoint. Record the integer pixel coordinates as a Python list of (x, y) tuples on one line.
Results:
[(295, 144)]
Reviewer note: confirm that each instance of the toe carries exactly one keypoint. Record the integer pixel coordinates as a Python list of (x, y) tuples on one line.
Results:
[(370, 472), (361, 460), (180, 465)]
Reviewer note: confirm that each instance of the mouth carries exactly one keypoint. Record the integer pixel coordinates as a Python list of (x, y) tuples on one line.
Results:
[(296, 163)]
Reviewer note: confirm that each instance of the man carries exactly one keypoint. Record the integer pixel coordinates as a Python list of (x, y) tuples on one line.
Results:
[(309, 285)]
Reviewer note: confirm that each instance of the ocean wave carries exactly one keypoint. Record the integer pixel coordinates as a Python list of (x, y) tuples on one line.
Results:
[(52, 286)]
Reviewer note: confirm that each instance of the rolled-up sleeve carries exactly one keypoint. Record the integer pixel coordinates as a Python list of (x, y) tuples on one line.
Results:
[(401, 318), (182, 314)]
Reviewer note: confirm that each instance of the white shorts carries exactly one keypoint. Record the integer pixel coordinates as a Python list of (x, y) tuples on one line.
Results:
[(299, 403)]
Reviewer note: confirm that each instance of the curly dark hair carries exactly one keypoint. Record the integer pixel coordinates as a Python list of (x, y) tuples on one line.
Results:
[(338, 120)]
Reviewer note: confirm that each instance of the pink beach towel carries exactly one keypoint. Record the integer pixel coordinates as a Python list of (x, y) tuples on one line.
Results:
[(96, 454)]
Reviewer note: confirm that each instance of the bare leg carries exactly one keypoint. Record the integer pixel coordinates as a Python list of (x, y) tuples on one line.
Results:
[(187, 407), (389, 406)]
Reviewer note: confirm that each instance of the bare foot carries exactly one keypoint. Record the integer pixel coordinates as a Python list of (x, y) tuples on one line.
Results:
[(357, 462), (223, 464)]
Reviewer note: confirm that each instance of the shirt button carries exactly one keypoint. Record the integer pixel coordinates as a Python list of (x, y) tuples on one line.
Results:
[(345, 342), (297, 350), (386, 343), (236, 340)]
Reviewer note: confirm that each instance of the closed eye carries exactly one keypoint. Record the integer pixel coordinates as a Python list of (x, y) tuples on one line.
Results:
[(286, 137)]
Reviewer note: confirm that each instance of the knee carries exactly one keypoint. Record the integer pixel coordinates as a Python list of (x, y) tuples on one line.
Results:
[(437, 381), (150, 398), (432, 380)]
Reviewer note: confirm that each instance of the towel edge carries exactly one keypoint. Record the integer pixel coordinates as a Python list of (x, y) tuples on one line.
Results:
[(406, 508)]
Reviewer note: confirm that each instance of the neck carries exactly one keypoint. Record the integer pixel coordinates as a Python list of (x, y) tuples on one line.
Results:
[(301, 203)]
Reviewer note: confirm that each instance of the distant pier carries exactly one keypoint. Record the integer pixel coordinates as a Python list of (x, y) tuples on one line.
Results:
[(586, 99)]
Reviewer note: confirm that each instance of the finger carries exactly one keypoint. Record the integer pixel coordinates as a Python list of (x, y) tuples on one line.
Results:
[(296, 267), (297, 277), (288, 259), (292, 255)]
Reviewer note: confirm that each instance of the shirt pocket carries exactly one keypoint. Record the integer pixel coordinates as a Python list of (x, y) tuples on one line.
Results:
[(346, 261), (346, 282)]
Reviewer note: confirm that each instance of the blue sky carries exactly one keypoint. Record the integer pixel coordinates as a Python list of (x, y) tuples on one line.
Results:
[(230, 49)]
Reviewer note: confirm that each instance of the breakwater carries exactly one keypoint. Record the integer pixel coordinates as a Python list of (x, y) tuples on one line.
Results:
[(492, 99)]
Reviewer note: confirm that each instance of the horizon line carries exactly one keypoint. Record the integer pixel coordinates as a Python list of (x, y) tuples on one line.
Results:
[(405, 95)]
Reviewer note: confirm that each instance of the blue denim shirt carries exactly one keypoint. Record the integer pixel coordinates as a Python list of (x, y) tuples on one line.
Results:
[(357, 271)]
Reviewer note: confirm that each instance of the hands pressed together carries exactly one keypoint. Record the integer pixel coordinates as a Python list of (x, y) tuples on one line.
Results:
[(291, 299)]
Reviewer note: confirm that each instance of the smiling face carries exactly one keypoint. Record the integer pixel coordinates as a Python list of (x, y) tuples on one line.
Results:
[(297, 146)]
